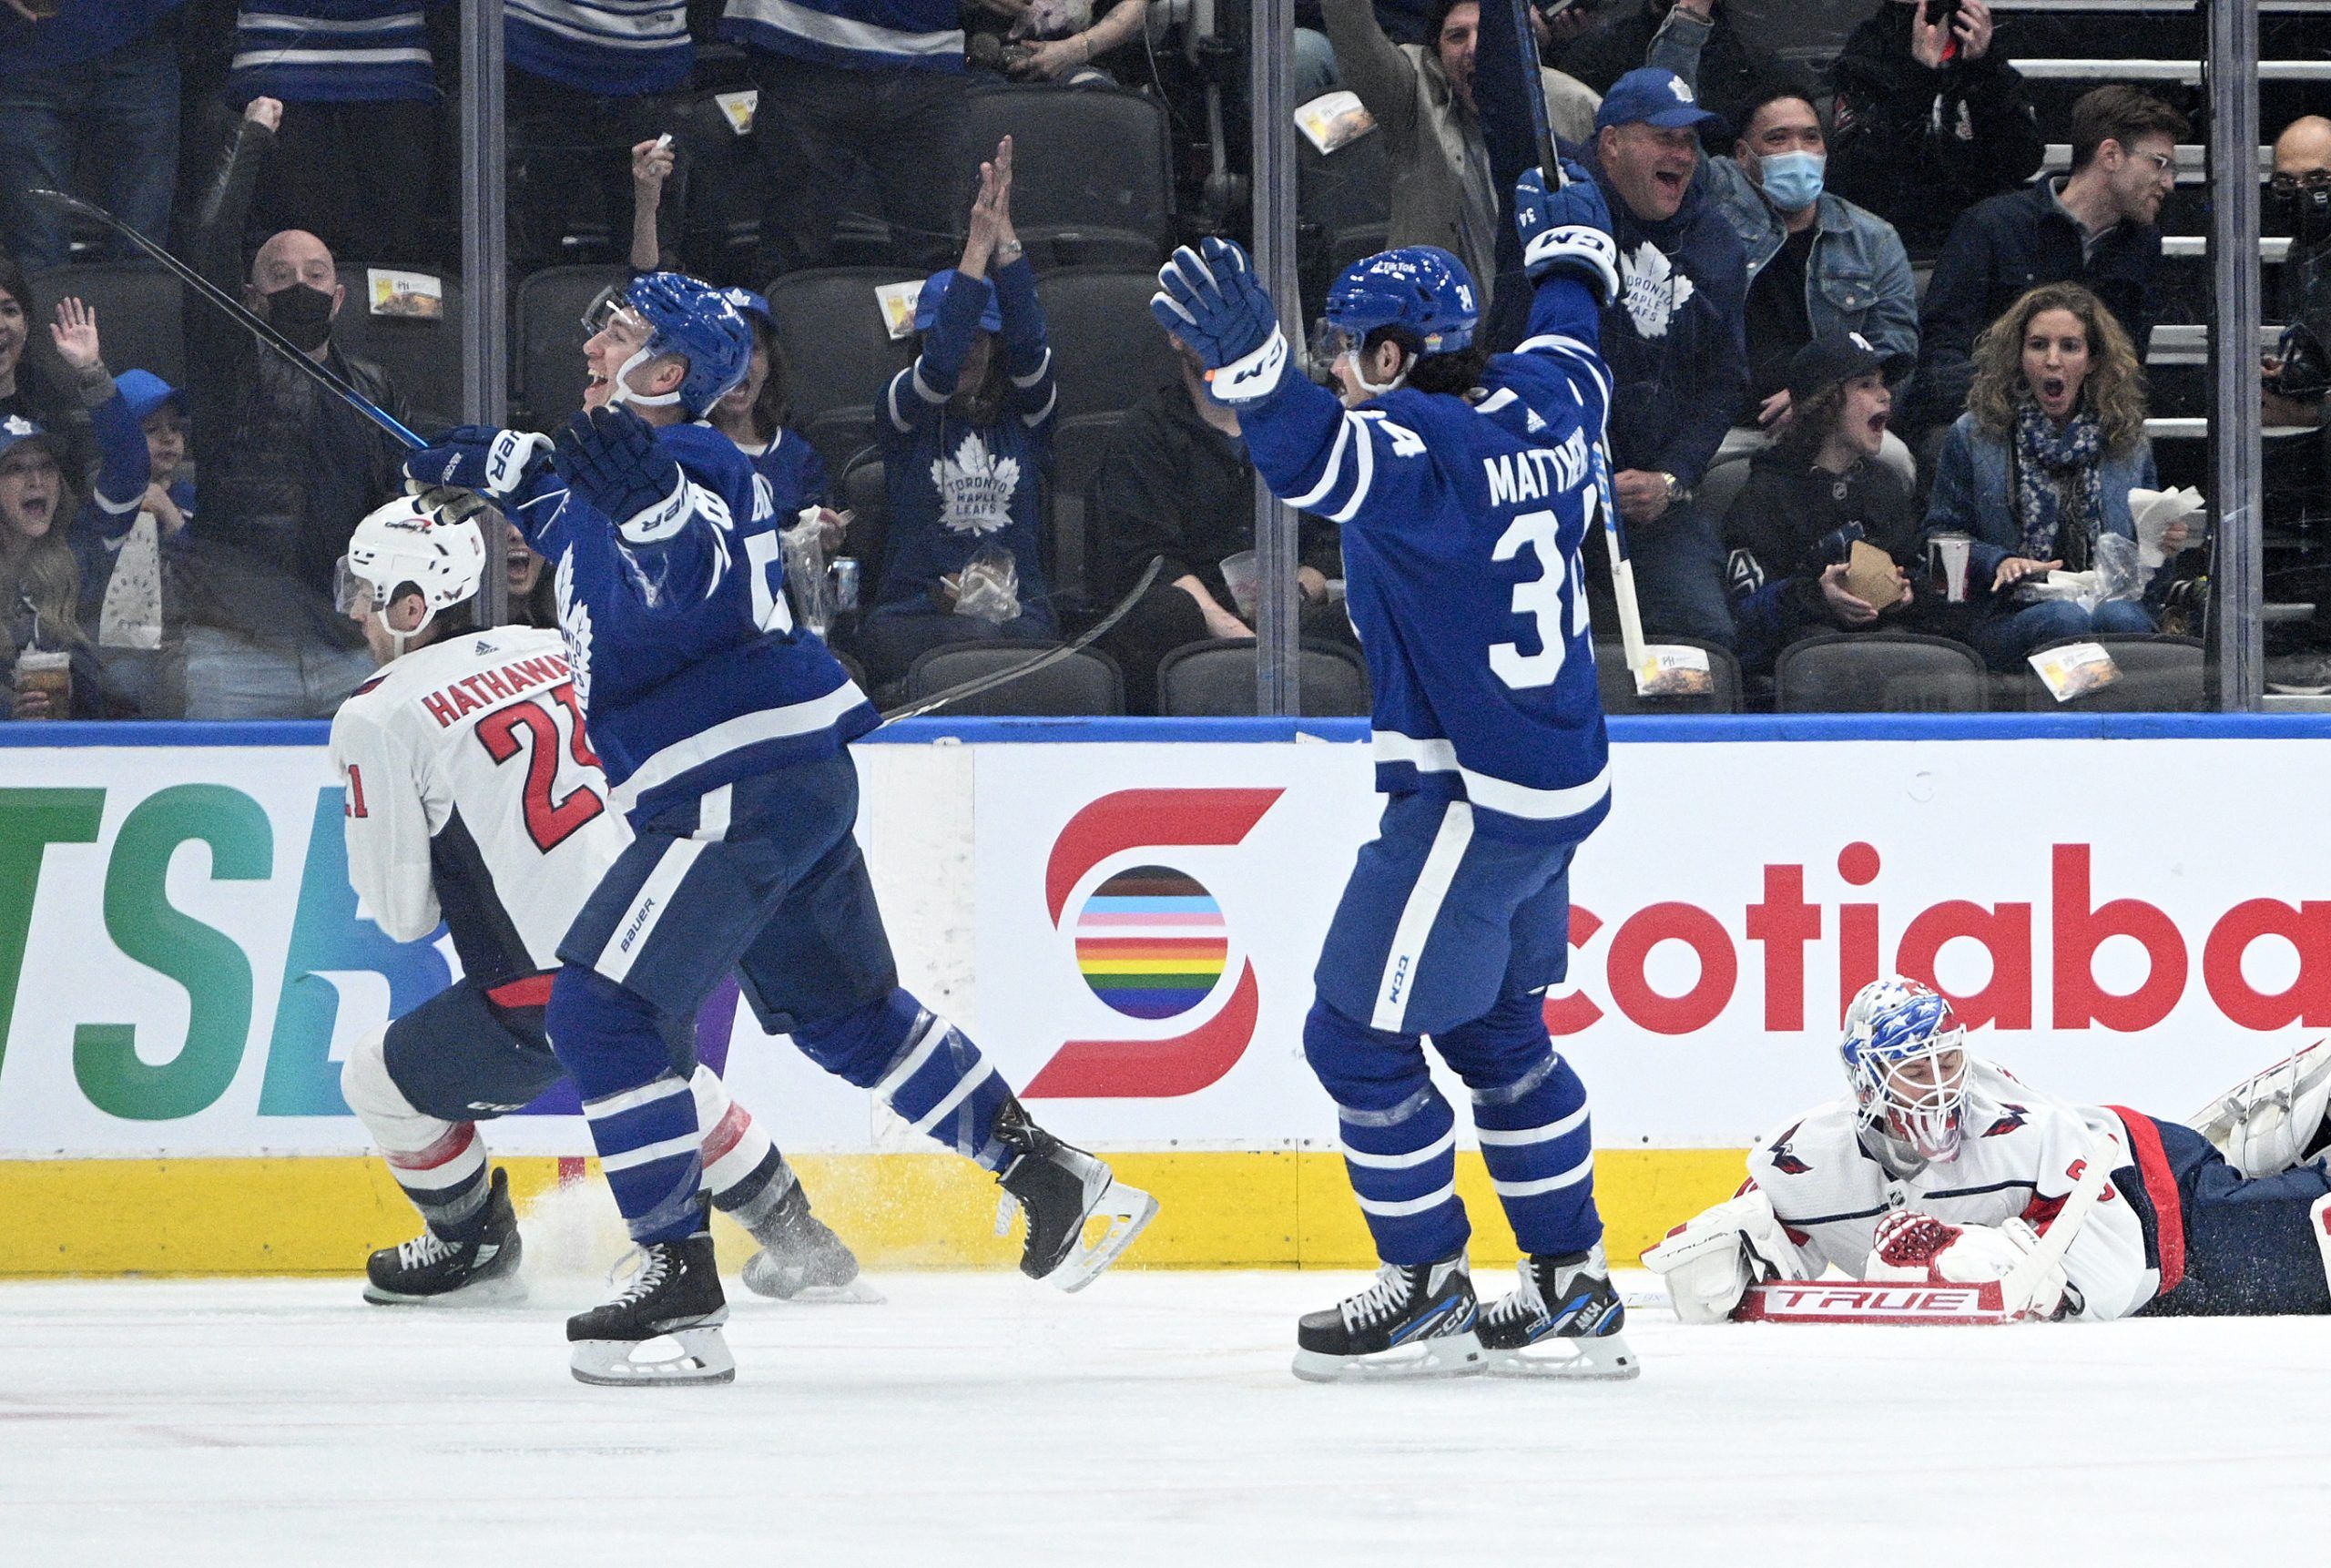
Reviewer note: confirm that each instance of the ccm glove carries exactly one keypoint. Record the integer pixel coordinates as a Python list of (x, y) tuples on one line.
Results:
[(1566, 231), (1210, 300), (609, 456), (499, 465)]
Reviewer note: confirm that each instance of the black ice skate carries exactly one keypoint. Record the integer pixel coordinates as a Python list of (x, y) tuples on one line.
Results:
[(800, 1260), (676, 1296), (433, 1272), (1415, 1322), (1563, 1322), (1063, 1190)]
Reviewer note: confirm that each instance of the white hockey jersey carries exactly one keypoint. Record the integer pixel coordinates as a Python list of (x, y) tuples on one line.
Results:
[(2020, 1156), (473, 793)]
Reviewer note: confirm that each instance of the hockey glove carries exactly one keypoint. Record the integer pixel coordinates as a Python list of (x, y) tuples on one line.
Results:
[(499, 465), (1210, 300), (609, 456), (1913, 1248), (1709, 1261), (1567, 231)]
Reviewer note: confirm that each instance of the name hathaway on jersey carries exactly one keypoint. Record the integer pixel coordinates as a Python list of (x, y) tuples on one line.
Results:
[(447, 703), (1537, 472)]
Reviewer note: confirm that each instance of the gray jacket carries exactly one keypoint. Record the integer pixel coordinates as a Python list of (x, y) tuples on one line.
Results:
[(1858, 278)]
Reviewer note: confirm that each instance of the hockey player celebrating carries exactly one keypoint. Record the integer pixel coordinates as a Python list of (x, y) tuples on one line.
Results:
[(1465, 485), (724, 729), (1938, 1167), (471, 791)]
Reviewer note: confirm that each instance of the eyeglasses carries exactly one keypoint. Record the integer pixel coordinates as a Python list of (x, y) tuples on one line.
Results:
[(2162, 162), (2313, 180)]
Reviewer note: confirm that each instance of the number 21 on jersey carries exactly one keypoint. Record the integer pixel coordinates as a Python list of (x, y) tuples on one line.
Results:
[(549, 822)]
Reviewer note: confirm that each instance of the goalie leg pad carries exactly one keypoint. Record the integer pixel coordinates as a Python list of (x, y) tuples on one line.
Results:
[(2272, 1120)]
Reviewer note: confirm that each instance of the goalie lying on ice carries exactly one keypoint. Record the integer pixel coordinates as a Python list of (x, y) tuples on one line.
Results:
[(1939, 1167)]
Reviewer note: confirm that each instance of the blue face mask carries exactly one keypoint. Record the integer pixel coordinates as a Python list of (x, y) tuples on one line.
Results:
[(1792, 179)]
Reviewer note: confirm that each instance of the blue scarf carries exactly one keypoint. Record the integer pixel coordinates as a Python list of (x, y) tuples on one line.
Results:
[(2059, 497)]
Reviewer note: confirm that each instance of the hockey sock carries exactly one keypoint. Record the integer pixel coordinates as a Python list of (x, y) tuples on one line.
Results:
[(641, 1113), (1538, 1144), (440, 1164), (923, 1067), (740, 1163), (1400, 1137)]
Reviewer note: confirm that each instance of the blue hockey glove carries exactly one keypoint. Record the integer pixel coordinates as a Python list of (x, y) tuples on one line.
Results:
[(609, 456), (1567, 229), (499, 465), (1210, 300)]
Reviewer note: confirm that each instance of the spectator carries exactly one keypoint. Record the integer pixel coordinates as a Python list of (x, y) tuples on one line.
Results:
[(2094, 226), (2299, 197), (1422, 95), (1045, 42), (1929, 120), (1177, 486), (1810, 495), (40, 584), (2040, 468), (1673, 341), (94, 83), (533, 599), (964, 449), (1693, 38), (287, 469), (33, 384), (361, 113), (852, 84)]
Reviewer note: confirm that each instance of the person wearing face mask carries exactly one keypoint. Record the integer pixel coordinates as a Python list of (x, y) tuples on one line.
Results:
[(287, 469), (2294, 380)]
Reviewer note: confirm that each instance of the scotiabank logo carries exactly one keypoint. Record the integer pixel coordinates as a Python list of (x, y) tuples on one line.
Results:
[(1151, 942), (1784, 930)]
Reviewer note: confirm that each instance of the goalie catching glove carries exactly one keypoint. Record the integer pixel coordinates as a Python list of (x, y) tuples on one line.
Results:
[(1567, 231), (1210, 300), (1709, 1261), (1910, 1247)]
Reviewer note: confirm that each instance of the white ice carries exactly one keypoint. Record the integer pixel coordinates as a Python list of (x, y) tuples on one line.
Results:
[(981, 1419)]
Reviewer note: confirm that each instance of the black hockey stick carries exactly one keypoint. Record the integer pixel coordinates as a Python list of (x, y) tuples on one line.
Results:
[(1035, 662), (322, 375)]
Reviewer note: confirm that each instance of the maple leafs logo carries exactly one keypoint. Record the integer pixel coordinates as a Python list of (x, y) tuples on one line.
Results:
[(573, 626), (1652, 289), (976, 487)]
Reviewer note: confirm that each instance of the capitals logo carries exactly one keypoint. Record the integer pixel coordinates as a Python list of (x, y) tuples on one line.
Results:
[(1152, 944)]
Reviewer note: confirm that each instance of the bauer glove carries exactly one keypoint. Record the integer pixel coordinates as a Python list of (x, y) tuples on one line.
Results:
[(609, 456), (499, 465)]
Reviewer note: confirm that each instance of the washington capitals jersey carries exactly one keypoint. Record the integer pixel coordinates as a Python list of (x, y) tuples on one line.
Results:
[(2020, 1156), (1463, 528), (472, 792), (685, 652)]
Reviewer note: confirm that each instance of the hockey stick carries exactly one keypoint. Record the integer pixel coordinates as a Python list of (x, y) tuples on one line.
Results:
[(322, 374), (1035, 662)]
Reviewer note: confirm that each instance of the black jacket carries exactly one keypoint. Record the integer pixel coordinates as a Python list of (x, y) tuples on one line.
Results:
[(1731, 68), (1918, 147), (1998, 249), (1790, 522), (287, 469)]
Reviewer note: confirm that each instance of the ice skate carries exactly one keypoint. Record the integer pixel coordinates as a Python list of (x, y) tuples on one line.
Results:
[(676, 1297), (429, 1271), (1563, 1322), (1063, 1190), (800, 1260), (1415, 1322)]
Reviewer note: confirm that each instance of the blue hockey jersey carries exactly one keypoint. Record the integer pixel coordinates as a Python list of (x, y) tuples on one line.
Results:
[(1463, 526), (618, 49), (690, 669), (332, 51)]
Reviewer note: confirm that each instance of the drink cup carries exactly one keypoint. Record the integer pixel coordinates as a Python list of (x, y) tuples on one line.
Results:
[(38, 670), (845, 571), (1947, 558), (1239, 572)]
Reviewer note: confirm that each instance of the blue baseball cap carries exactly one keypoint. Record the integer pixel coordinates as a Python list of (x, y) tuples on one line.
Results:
[(934, 289), (16, 430), (1649, 96), (144, 392)]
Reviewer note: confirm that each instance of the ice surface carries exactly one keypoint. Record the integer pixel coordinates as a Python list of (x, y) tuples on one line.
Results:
[(981, 1419)]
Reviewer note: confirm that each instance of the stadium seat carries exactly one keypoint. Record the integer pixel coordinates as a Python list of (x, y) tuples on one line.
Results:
[(1718, 486), (1091, 172), (1079, 444), (1879, 672), (1085, 685), (2158, 674), (546, 341), (1108, 353), (860, 492), (421, 354), (137, 307), (1618, 685), (842, 355), (1215, 679)]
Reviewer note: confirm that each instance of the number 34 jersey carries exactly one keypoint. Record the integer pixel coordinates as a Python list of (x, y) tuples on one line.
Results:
[(472, 793), (1463, 525)]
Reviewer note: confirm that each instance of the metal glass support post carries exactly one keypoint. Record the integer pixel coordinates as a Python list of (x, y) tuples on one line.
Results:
[(2237, 587), (1272, 77), (486, 335)]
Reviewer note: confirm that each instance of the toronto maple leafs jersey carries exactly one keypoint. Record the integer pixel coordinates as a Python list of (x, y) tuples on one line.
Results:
[(472, 792), (2020, 1157), (684, 653), (1463, 528), (953, 486)]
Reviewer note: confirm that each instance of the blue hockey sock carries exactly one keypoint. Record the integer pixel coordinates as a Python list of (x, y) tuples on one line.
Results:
[(641, 1113), (1399, 1136), (923, 1067), (1537, 1144)]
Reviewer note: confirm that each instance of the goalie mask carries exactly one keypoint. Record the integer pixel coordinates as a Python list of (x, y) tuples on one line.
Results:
[(406, 546), (1905, 1056)]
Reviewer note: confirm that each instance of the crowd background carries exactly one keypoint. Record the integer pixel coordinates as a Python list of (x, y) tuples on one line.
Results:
[(1897, 310)]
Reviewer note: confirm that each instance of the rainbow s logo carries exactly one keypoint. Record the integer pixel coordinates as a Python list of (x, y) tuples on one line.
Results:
[(1152, 944)]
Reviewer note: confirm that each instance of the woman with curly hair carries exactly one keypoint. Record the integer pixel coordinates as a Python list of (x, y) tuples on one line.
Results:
[(2039, 467)]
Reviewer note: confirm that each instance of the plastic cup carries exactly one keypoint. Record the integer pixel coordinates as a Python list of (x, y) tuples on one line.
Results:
[(1947, 557), (1239, 574), (41, 670)]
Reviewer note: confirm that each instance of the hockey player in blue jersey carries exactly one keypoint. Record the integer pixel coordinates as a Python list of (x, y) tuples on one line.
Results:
[(724, 731), (1466, 486)]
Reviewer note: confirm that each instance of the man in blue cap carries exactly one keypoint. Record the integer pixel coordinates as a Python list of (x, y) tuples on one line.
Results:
[(1674, 342)]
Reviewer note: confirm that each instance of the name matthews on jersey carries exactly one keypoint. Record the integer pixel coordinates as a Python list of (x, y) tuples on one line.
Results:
[(1518, 476)]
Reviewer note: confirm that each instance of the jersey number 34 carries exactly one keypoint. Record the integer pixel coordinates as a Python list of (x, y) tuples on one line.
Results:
[(1540, 598)]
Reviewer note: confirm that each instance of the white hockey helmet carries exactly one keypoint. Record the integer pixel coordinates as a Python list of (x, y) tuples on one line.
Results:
[(1905, 1054), (409, 544)]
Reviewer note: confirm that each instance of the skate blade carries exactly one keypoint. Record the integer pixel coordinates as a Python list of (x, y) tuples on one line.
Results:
[(1128, 1210), (1606, 1359), (702, 1357), (1444, 1356), (507, 1292), (855, 1292)]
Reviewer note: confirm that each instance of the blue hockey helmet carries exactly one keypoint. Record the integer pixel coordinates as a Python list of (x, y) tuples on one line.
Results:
[(749, 303), (686, 317), (1421, 287), (1904, 1055)]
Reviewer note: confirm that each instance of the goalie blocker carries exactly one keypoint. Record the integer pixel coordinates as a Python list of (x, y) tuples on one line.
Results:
[(1948, 1192)]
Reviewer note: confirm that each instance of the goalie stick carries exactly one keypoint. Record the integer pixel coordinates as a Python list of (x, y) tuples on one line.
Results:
[(322, 375), (1031, 664)]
